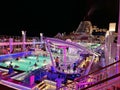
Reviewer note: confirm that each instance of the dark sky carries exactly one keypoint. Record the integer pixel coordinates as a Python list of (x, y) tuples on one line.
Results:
[(53, 16)]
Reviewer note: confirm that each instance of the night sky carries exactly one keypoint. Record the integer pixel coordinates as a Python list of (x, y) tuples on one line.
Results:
[(53, 16)]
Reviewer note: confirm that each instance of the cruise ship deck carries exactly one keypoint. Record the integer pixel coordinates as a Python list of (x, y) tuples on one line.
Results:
[(79, 61)]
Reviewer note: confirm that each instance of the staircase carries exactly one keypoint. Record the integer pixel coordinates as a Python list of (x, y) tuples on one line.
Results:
[(42, 86)]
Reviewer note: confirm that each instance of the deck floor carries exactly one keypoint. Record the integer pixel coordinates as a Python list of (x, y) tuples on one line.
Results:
[(3, 87)]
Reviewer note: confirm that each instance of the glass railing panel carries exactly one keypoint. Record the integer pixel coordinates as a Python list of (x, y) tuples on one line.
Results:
[(95, 77)]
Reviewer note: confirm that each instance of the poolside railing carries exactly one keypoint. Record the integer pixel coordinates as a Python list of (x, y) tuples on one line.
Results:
[(14, 55), (96, 78)]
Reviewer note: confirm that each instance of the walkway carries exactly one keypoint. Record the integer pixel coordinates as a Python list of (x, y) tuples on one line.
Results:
[(3, 87)]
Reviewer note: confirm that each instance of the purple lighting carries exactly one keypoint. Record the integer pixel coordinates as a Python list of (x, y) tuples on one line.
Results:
[(64, 52)]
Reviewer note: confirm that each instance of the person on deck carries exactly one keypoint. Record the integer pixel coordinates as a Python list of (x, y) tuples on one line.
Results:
[(68, 68), (57, 62)]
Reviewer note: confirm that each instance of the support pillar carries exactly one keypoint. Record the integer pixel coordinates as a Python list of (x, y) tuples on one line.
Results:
[(41, 37), (11, 44), (24, 40), (41, 40), (64, 55), (33, 43), (48, 48), (64, 48)]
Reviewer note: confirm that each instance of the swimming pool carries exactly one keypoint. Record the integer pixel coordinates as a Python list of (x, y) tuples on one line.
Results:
[(27, 64)]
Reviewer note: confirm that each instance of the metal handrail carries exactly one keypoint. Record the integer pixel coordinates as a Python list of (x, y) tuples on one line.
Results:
[(104, 70)]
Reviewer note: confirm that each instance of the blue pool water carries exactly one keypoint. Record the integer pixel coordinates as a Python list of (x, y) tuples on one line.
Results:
[(27, 64)]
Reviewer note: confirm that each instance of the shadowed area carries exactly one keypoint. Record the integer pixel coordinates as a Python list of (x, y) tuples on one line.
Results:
[(3, 87)]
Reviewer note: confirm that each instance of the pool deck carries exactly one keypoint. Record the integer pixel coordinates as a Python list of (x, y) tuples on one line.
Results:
[(4, 87), (16, 83)]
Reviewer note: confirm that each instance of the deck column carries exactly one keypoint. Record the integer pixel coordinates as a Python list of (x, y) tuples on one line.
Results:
[(11, 44), (41, 37), (48, 48), (64, 50), (24, 39), (64, 55), (33, 43)]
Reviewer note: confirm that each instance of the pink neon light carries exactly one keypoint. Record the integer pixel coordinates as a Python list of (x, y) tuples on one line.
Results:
[(62, 46), (32, 80)]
